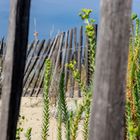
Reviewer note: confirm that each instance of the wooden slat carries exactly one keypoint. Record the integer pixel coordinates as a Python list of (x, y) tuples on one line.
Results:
[(55, 77), (30, 47), (31, 54), (55, 53), (33, 61), (3, 49), (37, 69), (1, 63), (96, 31), (72, 81), (87, 62), (64, 51), (2, 45), (58, 55), (108, 107), (14, 67), (79, 57), (53, 47), (42, 74), (65, 58), (68, 59)]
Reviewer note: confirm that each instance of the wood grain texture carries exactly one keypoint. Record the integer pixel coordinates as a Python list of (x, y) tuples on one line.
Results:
[(72, 80), (108, 108), (68, 56), (14, 64), (79, 65)]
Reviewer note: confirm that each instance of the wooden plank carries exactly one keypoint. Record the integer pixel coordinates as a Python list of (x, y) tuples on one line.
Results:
[(72, 81), (80, 56), (64, 51), (68, 58), (2, 45), (108, 108), (14, 67), (61, 52), (53, 47), (40, 66), (30, 55), (65, 59), (55, 77), (3, 50), (33, 61), (30, 47), (37, 69), (96, 30), (34, 70), (55, 53), (58, 55), (87, 63), (42, 74)]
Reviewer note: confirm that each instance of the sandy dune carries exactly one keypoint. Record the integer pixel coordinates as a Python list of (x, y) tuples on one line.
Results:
[(31, 109)]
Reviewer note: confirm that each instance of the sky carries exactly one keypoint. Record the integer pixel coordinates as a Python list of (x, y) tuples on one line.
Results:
[(53, 16)]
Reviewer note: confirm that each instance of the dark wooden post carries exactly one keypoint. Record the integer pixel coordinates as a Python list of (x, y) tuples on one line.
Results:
[(14, 67), (68, 56), (73, 57), (87, 61), (79, 65), (71, 91), (108, 109), (65, 51)]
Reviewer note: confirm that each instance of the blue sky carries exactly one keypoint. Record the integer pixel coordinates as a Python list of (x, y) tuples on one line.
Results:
[(53, 15)]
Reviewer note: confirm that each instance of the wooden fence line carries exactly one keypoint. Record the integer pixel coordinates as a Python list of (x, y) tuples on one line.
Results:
[(62, 49)]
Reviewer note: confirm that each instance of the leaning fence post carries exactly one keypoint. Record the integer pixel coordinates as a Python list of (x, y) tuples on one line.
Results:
[(73, 57), (14, 64), (79, 65), (108, 108), (68, 57)]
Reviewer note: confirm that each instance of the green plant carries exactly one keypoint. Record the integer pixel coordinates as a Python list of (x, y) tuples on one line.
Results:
[(88, 101), (28, 134), (83, 107), (62, 110), (46, 116), (133, 84), (20, 128), (91, 35)]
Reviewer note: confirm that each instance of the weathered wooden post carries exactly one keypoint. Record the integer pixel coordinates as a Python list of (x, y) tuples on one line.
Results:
[(68, 56), (79, 65), (14, 67), (73, 57), (108, 108)]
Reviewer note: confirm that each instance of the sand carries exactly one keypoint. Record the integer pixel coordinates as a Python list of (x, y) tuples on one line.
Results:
[(31, 109)]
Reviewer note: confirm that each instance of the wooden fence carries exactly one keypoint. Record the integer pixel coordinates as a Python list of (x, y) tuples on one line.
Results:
[(108, 104), (65, 47)]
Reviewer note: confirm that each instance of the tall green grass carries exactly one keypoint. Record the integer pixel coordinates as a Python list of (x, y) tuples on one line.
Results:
[(133, 84), (46, 111)]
